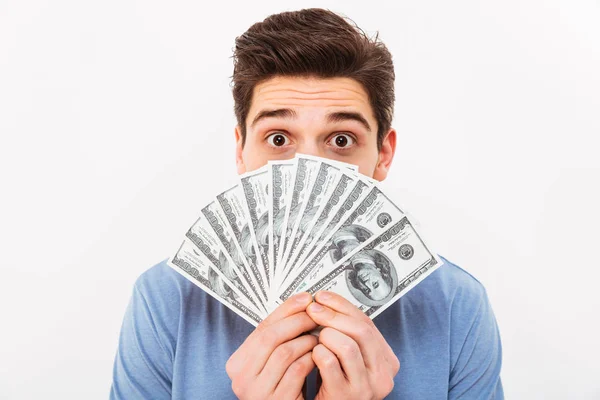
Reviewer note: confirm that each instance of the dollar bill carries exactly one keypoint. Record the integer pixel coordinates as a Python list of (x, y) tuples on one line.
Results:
[(255, 187), (321, 188), (210, 240), (369, 217), (198, 269), (337, 214), (232, 204), (318, 225), (381, 270), (340, 164), (304, 174), (230, 254), (304, 224), (280, 177)]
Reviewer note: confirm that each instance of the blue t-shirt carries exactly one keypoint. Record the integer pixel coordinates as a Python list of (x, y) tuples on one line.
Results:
[(175, 340)]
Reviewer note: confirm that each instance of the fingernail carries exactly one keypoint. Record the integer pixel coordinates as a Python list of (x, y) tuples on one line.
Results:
[(316, 307), (302, 298), (324, 296)]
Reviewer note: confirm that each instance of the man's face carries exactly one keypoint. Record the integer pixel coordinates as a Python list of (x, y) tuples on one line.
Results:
[(329, 118)]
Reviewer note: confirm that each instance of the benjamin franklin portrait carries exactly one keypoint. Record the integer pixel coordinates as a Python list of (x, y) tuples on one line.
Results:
[(371, 277)]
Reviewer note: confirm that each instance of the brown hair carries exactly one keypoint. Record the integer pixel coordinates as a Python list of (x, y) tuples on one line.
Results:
[(313, 42)]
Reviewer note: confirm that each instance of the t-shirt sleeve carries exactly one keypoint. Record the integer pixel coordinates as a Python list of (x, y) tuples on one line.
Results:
[(143, 366), (476, 349)]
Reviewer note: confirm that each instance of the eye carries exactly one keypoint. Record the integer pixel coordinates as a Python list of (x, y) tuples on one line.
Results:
[(342, 140), (277, 140)]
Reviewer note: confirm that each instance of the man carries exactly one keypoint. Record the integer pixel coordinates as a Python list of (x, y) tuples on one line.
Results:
[(312, 83)]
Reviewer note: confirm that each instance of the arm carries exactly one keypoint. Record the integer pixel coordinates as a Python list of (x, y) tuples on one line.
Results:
[(476, 349), (143, 366)]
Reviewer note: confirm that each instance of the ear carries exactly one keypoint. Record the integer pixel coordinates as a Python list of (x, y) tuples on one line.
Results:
[(386, 155), (239, 147)]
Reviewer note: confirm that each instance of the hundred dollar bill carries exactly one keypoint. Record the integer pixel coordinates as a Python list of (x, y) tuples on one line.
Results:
[(382, 269), (198, 269), (230, 255), (280, 178), (304, 174), (209, 236), (324, 215), (368, 218), (255, 187), (334, 216), (324, 183), (232, 205)]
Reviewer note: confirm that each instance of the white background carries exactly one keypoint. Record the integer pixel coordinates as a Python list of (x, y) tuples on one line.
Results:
[(116, 126)]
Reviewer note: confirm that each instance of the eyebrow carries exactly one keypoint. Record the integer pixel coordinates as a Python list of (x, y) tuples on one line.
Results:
[(287, 113)]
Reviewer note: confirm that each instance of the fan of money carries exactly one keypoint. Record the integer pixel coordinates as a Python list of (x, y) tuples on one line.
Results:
[(303, 224)]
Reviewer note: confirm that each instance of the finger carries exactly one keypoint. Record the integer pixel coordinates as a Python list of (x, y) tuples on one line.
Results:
[(329, 367), (363, 334), (274, 335), (255, 351), (290, 385), (341, 305), (293, 305), (347, 352), (283, 356)]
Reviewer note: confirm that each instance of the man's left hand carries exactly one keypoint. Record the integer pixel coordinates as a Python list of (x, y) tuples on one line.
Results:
[(353, 358)]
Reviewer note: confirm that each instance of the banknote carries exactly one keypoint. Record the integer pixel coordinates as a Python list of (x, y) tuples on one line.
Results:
[(280, 177), (304, 224), (334, 215), (304, 175), (382, 269), (206, 236), (232, 205), (367, 218), (307, 167), (325, 213), (255, 187), (337, 215), (230, 255), (198, 269), (321, 188)]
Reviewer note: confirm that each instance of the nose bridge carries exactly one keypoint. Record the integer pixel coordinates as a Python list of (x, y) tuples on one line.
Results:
[(310, 126), (310, 146), (311, 140)]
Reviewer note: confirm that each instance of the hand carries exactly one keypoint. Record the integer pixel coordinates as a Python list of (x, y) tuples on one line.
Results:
[(274, 360), (353, 358)]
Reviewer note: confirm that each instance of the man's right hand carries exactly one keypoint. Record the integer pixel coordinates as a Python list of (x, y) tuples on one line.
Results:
[(274, 360)]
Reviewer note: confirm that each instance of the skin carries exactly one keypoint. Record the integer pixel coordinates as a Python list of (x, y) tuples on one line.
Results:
[(310, 132), (353, 358), (274, 360)]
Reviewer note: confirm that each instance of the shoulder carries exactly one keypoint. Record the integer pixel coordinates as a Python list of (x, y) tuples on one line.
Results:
[(458, 298), (161, 277), (475, 348), (448, 286), (161, 282), (163, 292)]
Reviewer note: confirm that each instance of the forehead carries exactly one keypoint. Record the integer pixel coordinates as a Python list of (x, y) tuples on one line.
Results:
[(305, 94)]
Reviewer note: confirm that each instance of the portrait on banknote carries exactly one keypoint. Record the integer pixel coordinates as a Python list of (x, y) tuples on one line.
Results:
[(346, 239), (371, 277)]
